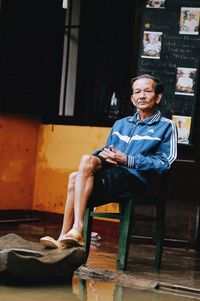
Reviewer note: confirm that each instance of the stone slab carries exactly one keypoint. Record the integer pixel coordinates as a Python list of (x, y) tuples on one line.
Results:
[(31, 262)]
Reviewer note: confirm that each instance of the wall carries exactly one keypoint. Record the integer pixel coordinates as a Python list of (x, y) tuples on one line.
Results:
[(18, 146)]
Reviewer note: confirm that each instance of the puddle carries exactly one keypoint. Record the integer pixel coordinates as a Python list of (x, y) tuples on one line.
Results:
[(90, 290)]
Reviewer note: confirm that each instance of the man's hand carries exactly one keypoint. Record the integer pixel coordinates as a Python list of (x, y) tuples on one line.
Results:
[(113, 155)]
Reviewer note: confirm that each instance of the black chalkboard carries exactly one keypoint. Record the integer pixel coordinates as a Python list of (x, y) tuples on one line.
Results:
[(177, 52)]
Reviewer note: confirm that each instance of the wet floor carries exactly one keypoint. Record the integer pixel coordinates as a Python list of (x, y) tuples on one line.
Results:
[(178, 279)]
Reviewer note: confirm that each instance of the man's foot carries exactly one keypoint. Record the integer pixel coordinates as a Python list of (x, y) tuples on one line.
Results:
[(51, 243), (73, 238)]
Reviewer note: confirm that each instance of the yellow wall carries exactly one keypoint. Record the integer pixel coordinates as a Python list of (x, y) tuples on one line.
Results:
[(18, 146)]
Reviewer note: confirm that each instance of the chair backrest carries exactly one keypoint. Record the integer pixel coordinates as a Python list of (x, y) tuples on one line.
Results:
[(157, 189)]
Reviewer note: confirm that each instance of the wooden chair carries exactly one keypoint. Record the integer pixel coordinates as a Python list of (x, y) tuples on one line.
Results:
[(155, 195)]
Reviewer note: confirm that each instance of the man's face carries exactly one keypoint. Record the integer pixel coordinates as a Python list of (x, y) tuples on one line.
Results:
[(153, 38), (185, 74), (191, 15), (180, 123), (144, 96)]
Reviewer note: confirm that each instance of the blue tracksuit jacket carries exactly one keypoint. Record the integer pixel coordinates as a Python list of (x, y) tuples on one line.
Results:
[(150, 144)]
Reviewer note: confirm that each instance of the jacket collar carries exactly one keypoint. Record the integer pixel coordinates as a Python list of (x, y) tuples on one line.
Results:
[(150, 120)]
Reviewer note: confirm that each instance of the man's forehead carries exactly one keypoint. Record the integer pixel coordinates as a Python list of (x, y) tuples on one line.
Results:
[(143, 82)]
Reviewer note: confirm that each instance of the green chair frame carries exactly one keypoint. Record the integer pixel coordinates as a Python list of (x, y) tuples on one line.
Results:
[(155, 195)]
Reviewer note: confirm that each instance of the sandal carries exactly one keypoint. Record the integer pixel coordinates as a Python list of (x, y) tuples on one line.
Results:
[(50, 242), (73, 238)]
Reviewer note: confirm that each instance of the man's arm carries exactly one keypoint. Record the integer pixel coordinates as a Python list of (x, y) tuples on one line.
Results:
[(161, 160)]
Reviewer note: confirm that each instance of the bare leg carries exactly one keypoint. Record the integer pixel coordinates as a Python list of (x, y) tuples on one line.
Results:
[(81, 190), (69, 207)]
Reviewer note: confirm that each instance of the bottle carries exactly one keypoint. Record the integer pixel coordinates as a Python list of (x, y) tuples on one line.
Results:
[(114, 107)]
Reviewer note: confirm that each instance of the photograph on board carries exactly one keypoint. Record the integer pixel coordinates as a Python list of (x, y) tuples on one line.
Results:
[(185, 79), (155, 3), (152, 41), (189, 20), (183, 124)]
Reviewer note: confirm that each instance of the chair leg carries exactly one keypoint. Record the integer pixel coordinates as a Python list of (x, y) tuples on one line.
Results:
[(118, 292), (82, 289), (88, 219), (125, 230), (159, 235)]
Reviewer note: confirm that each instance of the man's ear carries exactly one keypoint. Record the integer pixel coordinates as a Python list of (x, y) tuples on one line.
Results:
[(132, 100), (159, 96)]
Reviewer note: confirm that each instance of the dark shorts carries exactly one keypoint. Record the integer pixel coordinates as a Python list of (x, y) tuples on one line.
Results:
[(113, 180)]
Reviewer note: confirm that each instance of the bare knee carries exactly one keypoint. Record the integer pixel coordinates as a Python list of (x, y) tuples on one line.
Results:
[(71, 181), (89, 164)]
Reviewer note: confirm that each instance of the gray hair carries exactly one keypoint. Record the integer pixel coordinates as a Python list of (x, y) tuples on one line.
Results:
[(159, 88)]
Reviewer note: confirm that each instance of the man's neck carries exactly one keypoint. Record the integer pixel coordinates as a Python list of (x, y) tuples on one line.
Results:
[(144, 114)]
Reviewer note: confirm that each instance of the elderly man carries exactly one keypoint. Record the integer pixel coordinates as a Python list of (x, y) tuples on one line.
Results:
[(190, 24), (138, 146)]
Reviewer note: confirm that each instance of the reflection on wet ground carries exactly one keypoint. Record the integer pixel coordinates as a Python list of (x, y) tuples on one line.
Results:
[(180, 267), (178, 279), (89, 290)]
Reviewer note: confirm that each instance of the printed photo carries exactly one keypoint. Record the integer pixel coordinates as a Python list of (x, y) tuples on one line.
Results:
[(183, 124), (189, 20), (185, 79), (152, 41), (155, 3)]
